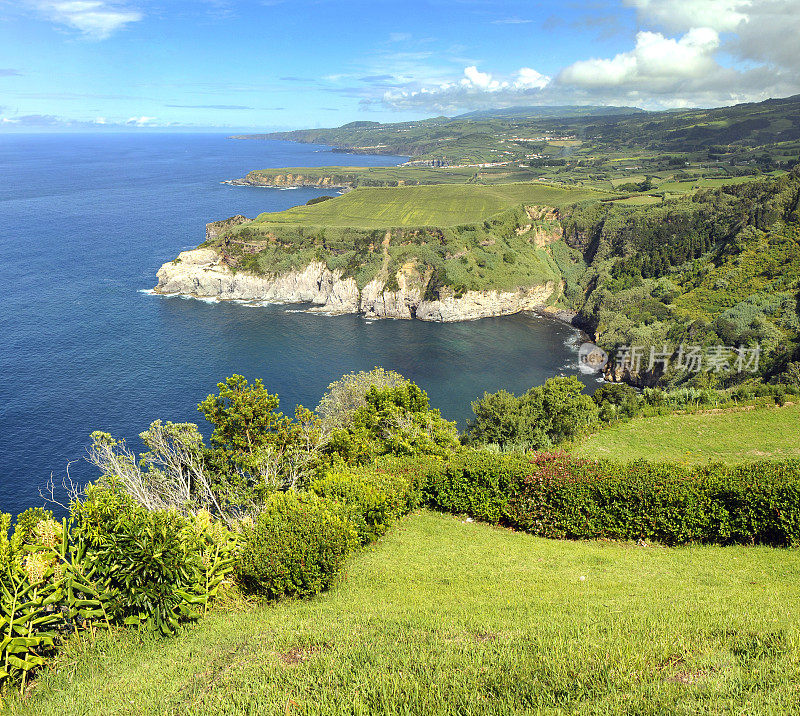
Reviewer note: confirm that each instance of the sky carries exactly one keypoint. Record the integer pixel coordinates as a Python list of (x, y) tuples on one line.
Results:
[(138, 65)]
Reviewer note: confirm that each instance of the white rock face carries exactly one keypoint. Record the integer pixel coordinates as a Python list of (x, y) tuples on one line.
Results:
[(201, 273)]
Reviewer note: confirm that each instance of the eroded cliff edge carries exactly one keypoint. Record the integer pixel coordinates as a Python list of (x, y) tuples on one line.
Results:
[(203, 273)]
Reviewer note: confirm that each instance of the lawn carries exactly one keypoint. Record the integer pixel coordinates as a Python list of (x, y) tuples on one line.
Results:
[(439, 205), (445, 616), (728, 436)]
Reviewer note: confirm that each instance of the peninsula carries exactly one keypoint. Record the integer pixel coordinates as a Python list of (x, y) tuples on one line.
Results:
[(647, 229), (436, 253)]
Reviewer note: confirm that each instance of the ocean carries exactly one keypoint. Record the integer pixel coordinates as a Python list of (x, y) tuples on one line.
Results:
[(85, 223)]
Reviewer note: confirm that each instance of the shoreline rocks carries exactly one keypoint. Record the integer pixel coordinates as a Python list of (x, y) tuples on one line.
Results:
[(201, 273)]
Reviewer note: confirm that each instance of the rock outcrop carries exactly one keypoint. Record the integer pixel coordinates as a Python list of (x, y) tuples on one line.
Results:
[(217, 228), (203, 274), (271, 180)]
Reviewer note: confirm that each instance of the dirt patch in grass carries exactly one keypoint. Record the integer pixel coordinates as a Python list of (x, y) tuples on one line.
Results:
[(299, 654), (690, 677)]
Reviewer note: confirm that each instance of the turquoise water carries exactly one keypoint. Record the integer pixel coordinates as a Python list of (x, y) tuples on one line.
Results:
[(85, 222)]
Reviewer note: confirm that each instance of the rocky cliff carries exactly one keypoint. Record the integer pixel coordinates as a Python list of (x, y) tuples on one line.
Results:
[(273, 180), (204, 274)]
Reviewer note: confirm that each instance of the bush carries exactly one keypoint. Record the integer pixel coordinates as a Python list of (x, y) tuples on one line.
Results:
[(162, 568), (393, 421), (557, 495), (545, 416), (348, 394), (476, 483), (295, 547), (370, 500)]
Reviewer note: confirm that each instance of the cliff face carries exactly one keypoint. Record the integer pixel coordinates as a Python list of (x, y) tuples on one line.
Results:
[(264, 179), (203, 274), (216, 228)]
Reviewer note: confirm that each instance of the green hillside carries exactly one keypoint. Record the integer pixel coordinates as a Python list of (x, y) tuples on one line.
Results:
[(737, 435), (449, 617), (746, 138)]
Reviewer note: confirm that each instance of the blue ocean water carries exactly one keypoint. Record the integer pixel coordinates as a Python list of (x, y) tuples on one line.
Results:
[(85, 222)]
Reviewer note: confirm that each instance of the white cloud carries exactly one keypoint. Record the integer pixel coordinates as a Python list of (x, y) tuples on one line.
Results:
[(511, 21), (687, 53), (94, 19), (475, 78), (770, 34), (140, 121), (528, 78), (764, 30), (680, 15), (655, 62), (475, 89)]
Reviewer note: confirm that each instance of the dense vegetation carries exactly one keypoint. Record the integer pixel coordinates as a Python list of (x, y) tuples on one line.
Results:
[(672, 251), (274, 505), (720, 270), (682, 250), (449, 616), (491, 253)]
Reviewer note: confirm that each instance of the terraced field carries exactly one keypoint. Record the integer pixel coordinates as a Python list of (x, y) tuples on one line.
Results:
[(442, 205)]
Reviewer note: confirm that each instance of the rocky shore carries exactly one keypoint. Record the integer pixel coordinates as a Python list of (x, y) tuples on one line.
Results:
[(202, 273)]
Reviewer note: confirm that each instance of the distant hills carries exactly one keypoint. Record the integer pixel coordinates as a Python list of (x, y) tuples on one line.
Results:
[(550, 112), (519, 133)]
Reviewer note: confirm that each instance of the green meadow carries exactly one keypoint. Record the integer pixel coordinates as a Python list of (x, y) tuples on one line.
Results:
[(735, 435), (442, 205), (446, 616)]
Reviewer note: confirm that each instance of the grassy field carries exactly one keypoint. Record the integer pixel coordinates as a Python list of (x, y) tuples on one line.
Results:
[(728, 436), (443, 205), (449, 617)]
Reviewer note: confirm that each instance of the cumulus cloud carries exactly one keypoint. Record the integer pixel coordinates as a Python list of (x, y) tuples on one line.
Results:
[(763, 30), (688, 53), (475, 89), (656, 62), (528, 78), (50, 120), (32, 120), (770, 34), (680, 15), (94, 19)]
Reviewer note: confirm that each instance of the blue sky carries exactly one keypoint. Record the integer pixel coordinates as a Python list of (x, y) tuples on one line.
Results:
[(136, 64)]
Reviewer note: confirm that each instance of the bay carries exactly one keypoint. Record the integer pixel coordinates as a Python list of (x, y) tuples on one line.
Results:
[(85, 222)]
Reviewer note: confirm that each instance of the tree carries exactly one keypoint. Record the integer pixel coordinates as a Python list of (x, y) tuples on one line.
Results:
[(255, 447), (393, 421), (544, 416), (348, 394)]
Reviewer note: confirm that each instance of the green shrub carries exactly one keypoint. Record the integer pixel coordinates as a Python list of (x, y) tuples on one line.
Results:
[(364, 505), (476, 483), (370, 500), (150, 568), (544, 416), (559, 496), (295, 547), (394, 420)]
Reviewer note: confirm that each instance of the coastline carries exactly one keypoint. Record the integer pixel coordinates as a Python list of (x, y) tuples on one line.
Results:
[(203, 274)]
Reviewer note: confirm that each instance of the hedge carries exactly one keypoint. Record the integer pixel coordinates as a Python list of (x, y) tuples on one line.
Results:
[(557, 495)]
